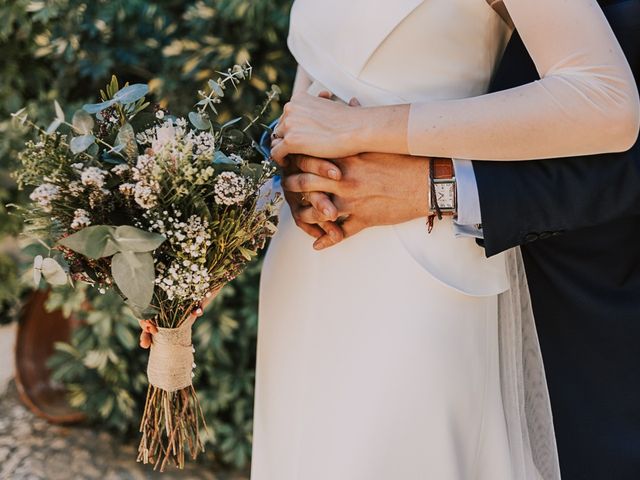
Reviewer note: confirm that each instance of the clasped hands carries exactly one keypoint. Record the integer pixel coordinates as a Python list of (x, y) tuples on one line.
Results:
[(334, 199)]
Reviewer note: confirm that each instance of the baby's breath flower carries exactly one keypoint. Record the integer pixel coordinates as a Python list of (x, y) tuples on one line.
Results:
[(44, 195), (187, 277), (127, 189), (93, 177), (75, 188), (98, 196), (145, 194), (144, 167), (81, 219), (120, 169)]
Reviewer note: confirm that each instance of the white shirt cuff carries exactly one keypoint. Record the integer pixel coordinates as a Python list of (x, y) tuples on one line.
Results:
[(469, 217)]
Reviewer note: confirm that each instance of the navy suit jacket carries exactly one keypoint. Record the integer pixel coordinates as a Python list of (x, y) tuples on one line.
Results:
[(578, 221)]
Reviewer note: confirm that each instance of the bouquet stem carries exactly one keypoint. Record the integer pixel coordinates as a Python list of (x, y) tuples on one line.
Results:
[(171, 421)]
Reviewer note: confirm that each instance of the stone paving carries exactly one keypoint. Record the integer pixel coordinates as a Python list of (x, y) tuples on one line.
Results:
[(32, 449)]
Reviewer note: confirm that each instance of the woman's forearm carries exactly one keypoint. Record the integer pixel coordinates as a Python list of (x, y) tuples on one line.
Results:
[(302, 81), (585, 103)]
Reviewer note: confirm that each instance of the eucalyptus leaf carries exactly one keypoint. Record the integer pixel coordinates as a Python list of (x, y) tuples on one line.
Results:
[(93, 242), (221, 159), (53, 272), (94, 108), (133, 239), (59, 112), (82, 122), (217, 89), (235, 136), (126, 141), (50, 269), (53, 126), (107, 158), (134, 274), (20, 116), (199, 121), (37, 270), (231, 122), (93, 150), (81, 143), (131, 93), (142, 313)]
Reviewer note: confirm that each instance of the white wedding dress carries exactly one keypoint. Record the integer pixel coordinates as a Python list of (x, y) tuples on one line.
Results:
[(398, 354)]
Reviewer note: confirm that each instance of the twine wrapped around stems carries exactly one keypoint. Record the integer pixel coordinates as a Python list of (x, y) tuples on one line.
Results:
[(170, 364)]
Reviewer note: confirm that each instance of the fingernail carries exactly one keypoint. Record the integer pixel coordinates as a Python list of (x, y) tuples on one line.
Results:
[(333, 173), (327, 213), (319, 245)]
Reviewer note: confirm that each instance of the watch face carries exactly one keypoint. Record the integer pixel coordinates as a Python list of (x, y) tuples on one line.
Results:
[(445, 195)]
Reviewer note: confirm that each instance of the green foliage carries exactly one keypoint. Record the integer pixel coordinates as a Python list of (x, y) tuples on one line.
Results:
[(105, 370), (69, 49), (11, 289), (102, 366)]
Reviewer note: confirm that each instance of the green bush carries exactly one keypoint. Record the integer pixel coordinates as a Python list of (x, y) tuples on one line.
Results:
[(67, 49)]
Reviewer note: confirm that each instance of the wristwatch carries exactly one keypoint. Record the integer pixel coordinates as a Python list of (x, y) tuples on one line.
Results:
[(443, 192)]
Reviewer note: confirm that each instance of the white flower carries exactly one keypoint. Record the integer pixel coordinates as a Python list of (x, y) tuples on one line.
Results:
[(120, 169), (165, 135), (75, 188), (81, 219), (145, 194), (230, 189), (93, 177), (144, 167), (44, 195), (187, 278), (160, 114), (127, 189), (203, 143), (97, 196), (235, 158), (77, 166)]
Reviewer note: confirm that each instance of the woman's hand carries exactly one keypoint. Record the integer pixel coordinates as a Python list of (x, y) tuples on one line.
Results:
[(149, 327), (317, 126)]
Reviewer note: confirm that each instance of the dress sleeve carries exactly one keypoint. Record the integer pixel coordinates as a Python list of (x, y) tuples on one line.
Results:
[(585, 102)]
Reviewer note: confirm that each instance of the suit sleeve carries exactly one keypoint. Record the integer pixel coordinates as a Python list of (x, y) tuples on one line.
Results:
[(521, 202)]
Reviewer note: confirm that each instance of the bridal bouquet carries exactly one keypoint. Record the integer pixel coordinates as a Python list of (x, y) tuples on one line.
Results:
[(165, 210)]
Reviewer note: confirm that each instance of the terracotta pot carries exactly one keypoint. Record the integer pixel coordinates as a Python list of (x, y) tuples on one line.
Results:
[(38, 331)]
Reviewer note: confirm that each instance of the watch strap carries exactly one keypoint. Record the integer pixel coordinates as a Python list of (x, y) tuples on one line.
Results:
[(442, 168)]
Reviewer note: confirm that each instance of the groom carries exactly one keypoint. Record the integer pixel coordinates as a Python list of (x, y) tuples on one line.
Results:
[(578, 223)]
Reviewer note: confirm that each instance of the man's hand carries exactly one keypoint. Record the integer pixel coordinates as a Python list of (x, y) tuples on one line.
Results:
[(373, 189), (318, 200)]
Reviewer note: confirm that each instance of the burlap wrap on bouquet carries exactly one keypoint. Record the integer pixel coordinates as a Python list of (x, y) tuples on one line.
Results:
[(171, 359)]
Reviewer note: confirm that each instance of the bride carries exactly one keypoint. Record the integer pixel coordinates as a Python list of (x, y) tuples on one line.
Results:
[(398, 354)]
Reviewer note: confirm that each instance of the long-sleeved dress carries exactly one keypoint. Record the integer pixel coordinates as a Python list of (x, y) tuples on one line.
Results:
[(395, 355)]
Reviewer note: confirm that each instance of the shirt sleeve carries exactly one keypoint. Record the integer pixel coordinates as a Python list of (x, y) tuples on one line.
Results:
[(585, 102), (467, 192)]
